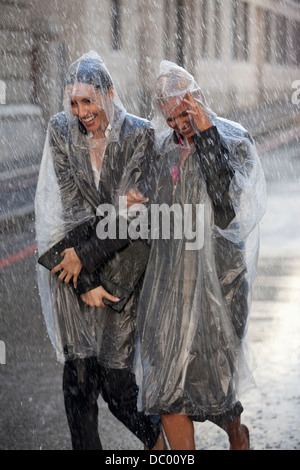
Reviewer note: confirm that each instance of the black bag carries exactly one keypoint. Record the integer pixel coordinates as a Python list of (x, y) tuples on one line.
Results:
[(122, 273), (119, 275), (52, 257)]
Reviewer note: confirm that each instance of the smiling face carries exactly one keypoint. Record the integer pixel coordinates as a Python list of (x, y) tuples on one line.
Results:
[(90, 106), (175, 112)]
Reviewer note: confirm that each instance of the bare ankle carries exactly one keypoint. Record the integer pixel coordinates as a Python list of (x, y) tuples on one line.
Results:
[(239, 439)]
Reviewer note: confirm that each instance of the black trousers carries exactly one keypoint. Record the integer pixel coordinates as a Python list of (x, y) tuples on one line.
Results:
[(83, 381)]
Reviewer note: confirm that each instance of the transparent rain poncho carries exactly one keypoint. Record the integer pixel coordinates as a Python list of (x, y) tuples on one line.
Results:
[(194, 306), (69, 191)]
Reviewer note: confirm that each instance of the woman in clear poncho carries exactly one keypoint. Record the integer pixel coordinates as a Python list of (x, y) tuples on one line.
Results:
[(87, 148), (193, 312), (80, 169)]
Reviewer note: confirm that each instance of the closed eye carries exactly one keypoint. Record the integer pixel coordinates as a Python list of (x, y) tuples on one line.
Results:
[(183, 114), (86, 100)]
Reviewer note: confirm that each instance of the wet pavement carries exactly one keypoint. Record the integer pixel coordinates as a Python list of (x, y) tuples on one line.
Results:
[(32, 414)]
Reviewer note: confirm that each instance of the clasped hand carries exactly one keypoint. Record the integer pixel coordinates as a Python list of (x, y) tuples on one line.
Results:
[(70, 267), (135, 197), (95, 297)]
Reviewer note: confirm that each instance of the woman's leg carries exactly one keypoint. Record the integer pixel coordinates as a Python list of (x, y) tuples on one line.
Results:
[(238, 435), (179, 430), (119, 389)]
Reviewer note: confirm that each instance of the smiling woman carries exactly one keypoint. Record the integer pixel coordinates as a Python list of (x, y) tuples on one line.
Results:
[(181, 115), (87, 148), (94, 109), (89, 98), (193, 362), (91, 106)]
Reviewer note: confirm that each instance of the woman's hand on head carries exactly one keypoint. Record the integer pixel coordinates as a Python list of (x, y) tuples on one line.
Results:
[(197, 114), (135, 197)]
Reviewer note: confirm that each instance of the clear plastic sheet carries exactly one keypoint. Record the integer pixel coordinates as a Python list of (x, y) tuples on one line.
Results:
[(67, 195), (68, 321), (193, 314)]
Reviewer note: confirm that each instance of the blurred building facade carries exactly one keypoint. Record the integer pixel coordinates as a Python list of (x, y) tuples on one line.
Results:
[(241, 52)]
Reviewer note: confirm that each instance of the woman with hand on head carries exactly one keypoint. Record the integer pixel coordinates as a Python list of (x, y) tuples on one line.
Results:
[(192, 361)]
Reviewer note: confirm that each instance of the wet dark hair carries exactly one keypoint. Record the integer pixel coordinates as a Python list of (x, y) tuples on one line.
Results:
[(91, 71)]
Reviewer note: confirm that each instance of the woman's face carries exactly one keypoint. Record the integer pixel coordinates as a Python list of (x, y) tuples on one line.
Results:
[(175, 112), (90, 106)]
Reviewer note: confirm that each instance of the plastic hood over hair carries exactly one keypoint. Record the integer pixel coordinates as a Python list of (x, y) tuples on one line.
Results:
[(247, 189), (196, 298), (174, 81)]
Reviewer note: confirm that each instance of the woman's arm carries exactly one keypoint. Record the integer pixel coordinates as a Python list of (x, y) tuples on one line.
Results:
[(214, 160)]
